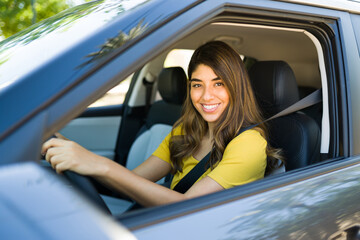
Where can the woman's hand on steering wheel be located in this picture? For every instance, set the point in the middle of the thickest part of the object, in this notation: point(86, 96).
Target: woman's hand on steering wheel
point(64, 154)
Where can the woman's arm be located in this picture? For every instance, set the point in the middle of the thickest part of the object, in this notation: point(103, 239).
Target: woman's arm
point(148, 193)
point(64, 154)
point(67, 155)
point(153, 169)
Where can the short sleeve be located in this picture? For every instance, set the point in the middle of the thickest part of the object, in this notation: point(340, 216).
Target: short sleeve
point(163, 151)
point(244, 160)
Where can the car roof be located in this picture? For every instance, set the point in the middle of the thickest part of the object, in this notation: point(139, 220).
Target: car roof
point(352, 6)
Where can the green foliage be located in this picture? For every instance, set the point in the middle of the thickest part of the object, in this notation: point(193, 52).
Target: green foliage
point(16, 15)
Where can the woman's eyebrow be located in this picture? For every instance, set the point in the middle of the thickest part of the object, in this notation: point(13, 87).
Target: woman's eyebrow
point(195, 80)
point(198, 80)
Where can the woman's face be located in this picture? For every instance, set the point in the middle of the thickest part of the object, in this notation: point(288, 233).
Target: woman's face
point(208, 93)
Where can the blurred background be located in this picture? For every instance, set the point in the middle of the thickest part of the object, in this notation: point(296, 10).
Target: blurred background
point(16, 15)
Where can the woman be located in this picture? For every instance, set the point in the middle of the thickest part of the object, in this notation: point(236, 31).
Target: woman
point(219, 104)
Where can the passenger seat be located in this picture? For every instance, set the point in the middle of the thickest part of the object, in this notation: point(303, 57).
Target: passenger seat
point(297, 134)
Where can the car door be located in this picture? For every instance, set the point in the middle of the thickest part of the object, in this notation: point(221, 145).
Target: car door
point(315, 202)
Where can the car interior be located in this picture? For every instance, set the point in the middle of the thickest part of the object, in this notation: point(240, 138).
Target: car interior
point(285, 64)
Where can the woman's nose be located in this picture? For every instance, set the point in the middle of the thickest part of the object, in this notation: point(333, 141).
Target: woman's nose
point(208, 93)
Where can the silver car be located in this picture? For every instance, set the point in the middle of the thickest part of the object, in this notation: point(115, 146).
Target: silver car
point(104, 75)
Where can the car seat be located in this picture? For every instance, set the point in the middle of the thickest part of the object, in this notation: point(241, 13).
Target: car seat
point(297, 134)
point(162, 115)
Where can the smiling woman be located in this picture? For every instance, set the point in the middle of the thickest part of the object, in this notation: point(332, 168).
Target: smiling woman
point(211, 124)
point(215, 115)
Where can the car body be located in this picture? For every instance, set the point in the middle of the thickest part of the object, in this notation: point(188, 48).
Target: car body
point(51, 73)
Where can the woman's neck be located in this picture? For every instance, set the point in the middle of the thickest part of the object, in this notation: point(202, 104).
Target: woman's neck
point(211, 130)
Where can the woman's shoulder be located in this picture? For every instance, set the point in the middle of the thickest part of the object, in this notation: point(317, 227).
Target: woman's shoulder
point(251, 136)
point(248, 145)
point(177, 130)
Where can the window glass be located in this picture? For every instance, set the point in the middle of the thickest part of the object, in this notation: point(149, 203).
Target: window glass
point(114, 96)
point(179, 57)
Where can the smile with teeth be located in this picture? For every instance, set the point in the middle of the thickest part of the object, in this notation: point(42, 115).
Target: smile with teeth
point(210, 108)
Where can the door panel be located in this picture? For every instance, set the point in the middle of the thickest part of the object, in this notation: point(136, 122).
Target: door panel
point(97, 134)
point(97, 128)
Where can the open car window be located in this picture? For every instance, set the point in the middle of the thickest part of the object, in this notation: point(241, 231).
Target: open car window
point(290, 50)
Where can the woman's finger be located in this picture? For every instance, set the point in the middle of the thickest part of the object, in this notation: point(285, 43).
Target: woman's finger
point(53, 160)
point(51, 152)
point(68, 155)
point(60, 136)
point(53, 142)
point(61, 167)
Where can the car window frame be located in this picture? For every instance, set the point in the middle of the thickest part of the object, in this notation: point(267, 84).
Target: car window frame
point(323, 33)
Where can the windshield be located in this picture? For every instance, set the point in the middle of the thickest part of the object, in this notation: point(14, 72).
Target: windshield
point(40, 43)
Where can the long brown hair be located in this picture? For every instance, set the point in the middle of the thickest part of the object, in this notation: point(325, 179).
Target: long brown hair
point(241, 112)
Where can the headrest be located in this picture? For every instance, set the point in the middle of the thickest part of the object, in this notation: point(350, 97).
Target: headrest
point(274, 85)
point(172, 85)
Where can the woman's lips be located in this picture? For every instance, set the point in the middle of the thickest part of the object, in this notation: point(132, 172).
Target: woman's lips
point(210, 107)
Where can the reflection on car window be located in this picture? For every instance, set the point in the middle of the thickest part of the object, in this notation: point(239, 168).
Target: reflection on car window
point(114, 96)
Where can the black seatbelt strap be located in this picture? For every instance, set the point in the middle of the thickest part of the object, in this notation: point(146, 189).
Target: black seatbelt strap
point(186, 182)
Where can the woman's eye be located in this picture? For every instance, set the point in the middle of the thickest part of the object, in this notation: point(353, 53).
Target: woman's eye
point(218, 84)
point(196, 85)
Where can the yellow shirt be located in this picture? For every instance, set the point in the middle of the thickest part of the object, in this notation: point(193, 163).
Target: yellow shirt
point(244, 160)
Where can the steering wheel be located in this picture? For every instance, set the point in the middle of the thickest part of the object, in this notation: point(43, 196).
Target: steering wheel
point(84, 185)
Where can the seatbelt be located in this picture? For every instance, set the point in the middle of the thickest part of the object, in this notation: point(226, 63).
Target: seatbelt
point(311, 99)
point(186, 182)
point(148, 82)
